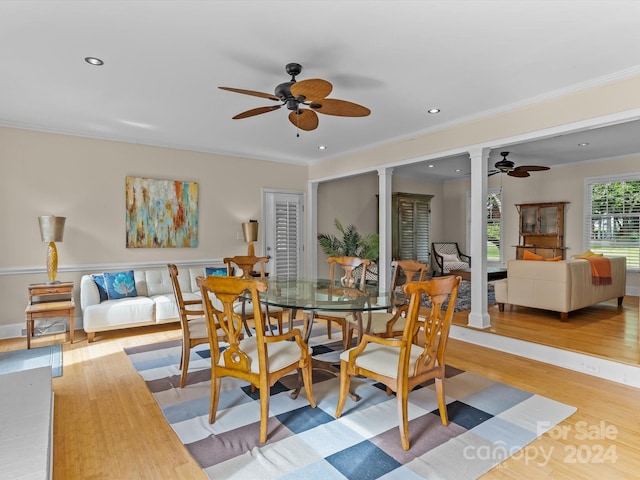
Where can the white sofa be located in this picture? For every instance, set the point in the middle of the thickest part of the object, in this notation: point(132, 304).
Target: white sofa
point(154, 304)
point(562, 286)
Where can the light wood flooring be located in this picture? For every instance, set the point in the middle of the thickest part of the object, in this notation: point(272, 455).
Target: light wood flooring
point(107, 425)
point(603, 330)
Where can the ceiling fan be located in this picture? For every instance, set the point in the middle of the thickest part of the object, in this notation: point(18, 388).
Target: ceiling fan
point(304, 99)
point(508, 167)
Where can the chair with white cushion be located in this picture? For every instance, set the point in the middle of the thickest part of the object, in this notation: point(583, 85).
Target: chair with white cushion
point(261, 359)
point(401, 364)
point(192, 321)
point(390, 323)
point(349, 265)
point(448, 256)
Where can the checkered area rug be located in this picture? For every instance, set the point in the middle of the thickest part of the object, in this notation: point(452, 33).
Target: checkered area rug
point(489, 422)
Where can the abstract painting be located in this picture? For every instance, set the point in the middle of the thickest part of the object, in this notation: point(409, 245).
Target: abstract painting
point(161, 213)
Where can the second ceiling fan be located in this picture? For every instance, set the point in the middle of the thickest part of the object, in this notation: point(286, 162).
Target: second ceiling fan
point(508, 167)
point(303, 99)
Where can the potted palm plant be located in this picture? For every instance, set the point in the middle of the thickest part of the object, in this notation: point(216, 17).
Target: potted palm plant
point(351, 244)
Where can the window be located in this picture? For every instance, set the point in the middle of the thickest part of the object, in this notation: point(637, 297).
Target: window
point(494, 226)
point(495, 252)
point(612, 217)
point(411, 217)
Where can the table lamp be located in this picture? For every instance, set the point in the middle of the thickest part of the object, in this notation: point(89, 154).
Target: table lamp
point(250, 232)
point(52, 230)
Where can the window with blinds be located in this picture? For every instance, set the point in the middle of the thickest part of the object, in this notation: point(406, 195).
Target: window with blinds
point(612, 217)
point(410, 223)
point(286, 256)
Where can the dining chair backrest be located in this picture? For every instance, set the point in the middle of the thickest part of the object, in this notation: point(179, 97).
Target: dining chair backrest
point(247, 264)
point(407, 271)
point(230, 290)
point(348, 264)
point(432, 330)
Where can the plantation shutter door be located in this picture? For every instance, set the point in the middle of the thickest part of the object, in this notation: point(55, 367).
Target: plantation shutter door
point(286, 251)
point(410, 222)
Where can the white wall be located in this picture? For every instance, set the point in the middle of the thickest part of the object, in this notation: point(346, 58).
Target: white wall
point(352, 200)
point(83, 179)
point(563, 183)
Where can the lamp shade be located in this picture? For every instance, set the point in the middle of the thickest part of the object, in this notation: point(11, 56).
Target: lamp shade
point(51, 228)
point(250, 231)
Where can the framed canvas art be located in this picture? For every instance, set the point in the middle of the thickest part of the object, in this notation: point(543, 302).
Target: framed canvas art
point(161, 213)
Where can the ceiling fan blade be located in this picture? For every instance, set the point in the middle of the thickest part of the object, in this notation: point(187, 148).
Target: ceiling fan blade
point(340, 108)
point(256, 111)
point(251, 92)
point(312, 89)
point(518, 173)
point(304, 119)
point(493, 172)
point(532, 168)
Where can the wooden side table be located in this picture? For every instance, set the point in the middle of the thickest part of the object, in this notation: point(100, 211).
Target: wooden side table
point(50, 300)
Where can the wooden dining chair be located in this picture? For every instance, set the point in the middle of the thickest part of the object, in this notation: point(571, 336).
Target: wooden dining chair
point(192, 323)
point(390, 323)
point(403, 363)
point(247, 265)
point(348, 265)
point(261, 359)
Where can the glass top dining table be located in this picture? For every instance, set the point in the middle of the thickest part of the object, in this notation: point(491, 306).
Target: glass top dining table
point(320, 294)
point(312, 295)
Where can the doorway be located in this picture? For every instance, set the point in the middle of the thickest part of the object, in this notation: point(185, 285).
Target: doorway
point(284, 233)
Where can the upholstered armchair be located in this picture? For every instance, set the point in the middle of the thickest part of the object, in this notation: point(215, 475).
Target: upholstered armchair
point(447, 256)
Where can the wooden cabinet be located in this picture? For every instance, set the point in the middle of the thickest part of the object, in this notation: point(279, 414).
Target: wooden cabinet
point(541, 229)
point(410, 222)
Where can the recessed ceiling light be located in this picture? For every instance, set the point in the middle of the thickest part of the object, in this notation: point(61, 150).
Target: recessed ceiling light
point(583, 144)
point(322, 147)
point(433, 110)
point(431, 166)
point(458, 170)
point(94, 61)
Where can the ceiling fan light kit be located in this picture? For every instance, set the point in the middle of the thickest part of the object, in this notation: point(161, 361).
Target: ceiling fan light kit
point(508, 167)
point(303, 99)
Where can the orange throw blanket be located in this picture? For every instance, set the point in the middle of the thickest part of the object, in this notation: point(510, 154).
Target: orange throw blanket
point(600, 270)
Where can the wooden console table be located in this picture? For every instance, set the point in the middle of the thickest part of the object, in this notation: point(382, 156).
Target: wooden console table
point(493, 273)
point(47, 301)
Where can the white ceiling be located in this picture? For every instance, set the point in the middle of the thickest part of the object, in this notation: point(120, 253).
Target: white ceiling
point(163, 62)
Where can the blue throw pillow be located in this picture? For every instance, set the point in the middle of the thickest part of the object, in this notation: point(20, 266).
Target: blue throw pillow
point(120, 285)
point(216, 271)
point(102, 287)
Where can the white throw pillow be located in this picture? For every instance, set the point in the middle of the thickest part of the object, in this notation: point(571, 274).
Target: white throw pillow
point(449, 258)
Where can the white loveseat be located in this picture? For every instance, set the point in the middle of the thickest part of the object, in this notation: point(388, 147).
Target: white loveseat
point(562, 286)
point(154, 304)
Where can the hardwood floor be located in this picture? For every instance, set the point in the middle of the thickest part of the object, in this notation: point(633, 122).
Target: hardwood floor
point(107, 425)
point(602, 330)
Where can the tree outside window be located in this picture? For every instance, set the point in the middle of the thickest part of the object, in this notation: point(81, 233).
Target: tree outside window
point(612, 220)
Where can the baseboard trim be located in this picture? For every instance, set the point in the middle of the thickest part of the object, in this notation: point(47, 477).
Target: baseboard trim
point(598, 367)
point(15, 330)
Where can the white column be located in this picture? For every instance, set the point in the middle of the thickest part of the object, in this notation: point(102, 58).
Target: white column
point(479, 317)
point(385, 190)
point(311, 251)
